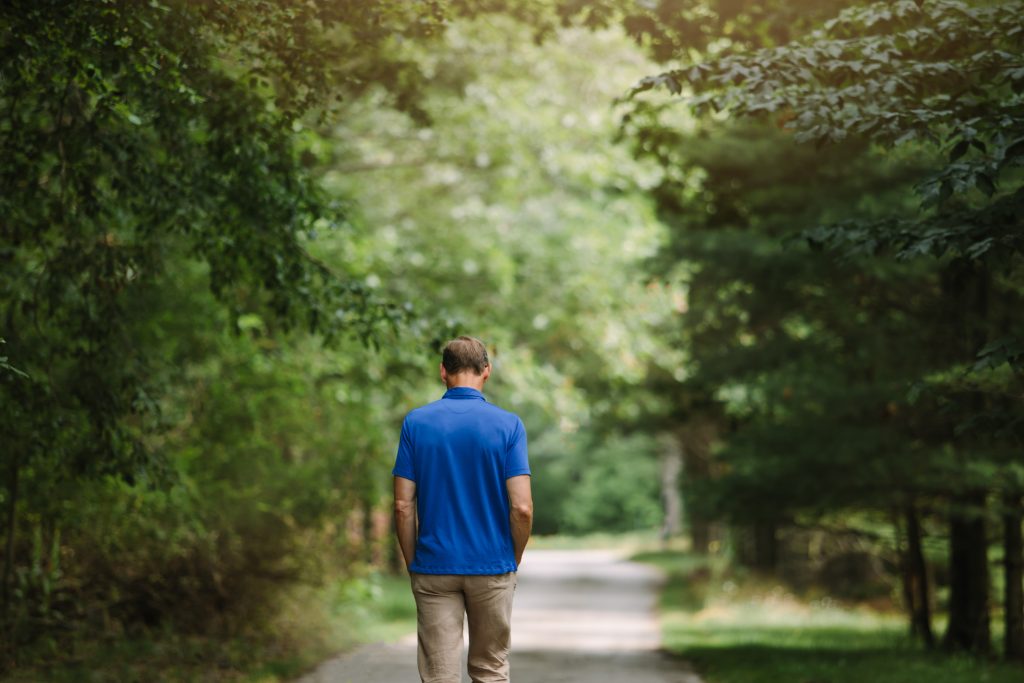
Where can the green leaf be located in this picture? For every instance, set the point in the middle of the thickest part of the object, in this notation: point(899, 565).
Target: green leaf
point(1012, 151)
point(959, 149)
point(945, 191)
point(985, 184)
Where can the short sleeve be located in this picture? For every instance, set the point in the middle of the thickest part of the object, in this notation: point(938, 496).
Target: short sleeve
point(516, 460)
point(403, 460)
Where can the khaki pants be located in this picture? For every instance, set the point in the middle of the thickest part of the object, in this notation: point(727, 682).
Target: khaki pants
point(441, 601)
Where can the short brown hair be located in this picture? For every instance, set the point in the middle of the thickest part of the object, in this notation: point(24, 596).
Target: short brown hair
point(464, 353)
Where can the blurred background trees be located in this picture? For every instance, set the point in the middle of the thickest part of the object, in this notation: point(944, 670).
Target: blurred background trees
point(776, 243)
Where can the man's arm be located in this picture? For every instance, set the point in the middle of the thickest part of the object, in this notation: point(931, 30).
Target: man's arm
point(405, 517)
point(521, 512)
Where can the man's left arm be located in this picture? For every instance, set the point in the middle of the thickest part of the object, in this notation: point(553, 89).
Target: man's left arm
point(405, 517)
point(521, 513)
point(517, 482)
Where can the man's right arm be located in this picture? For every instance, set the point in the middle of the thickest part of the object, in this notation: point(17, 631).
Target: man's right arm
point(521, 512)
point(405, 517)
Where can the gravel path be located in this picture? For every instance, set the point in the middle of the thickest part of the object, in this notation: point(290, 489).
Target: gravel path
point(580, 616)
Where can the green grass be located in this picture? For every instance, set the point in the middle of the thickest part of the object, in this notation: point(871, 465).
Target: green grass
point(312, 625)
point(379, 608)
point(737, 628)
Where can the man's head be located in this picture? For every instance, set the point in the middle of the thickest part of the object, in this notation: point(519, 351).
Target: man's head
point(464, 362)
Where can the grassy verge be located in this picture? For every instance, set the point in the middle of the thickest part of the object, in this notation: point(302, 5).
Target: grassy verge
point(312, 625)
point(736, 628)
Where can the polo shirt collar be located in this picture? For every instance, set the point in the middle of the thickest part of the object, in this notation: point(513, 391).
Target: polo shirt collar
point(463, 393)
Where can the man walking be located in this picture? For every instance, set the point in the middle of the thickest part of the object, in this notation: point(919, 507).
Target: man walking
point(463, 515)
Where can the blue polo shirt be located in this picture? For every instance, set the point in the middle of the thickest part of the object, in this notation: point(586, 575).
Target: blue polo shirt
point(460, 450)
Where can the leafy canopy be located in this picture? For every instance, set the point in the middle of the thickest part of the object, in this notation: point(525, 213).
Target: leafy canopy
point(949, 74)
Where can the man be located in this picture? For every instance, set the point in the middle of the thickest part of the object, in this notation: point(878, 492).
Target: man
point(462, 473)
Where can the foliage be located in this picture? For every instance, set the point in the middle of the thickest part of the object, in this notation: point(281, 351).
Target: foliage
point(611, 486)
point(132, 134)
point(794, 346)
point(946, 72)
point(355, 608)
point(157, 193)
point(669, 29)
point(510, 217)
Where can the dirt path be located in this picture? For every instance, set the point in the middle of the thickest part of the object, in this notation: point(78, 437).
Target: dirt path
point(580, 616)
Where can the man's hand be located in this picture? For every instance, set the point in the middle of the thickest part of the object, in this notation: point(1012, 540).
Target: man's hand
point(520, 513)
point(405, 517)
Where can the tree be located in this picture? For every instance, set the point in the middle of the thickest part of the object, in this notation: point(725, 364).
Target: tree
point(946, 74)
point(137, 138)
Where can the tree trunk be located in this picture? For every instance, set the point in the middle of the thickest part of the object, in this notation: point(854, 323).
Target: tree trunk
point(968, 627)
point(766, 553)
point(917, 575)
point(12, 508)
point(700, 536)
point(966, 286)
point(1013, 563)
point(906, 579)
point(672, 502)
point(368, 534)
point(696, 437)
point(395, 560)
